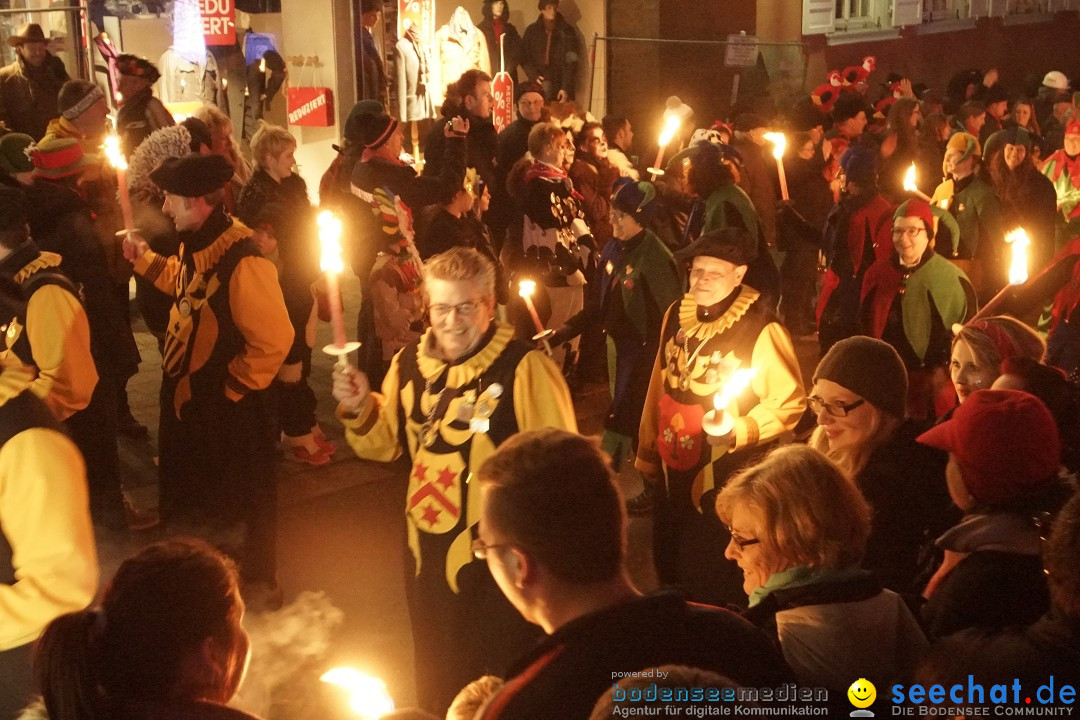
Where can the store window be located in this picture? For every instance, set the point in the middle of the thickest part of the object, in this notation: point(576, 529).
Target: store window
point(839, 17)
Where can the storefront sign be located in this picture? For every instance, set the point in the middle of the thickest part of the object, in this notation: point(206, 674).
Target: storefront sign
point(219, 21)
point(741, 51)
point(502, 87)
point(311, 106)
point(419, 14)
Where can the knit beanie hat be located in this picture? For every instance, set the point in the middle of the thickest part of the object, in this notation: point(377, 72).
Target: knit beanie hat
point(871, 369)
point(60, 158)
point(860, 164)
point(1005, 441)
point(375, 130)
point(805, 116)
point(917, 208)
point(14, 155)
point(76, 97)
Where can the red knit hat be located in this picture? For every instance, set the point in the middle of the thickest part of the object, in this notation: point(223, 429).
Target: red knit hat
point(1005, 441)
point(920, 209)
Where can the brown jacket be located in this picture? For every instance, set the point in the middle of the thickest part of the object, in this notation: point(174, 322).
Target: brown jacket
point(28, 95)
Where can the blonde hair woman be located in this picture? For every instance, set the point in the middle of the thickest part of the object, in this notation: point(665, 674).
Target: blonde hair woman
point(859, 397)
point(221, 130)
point(798, 531)
point(274, 204)
point(979, 348)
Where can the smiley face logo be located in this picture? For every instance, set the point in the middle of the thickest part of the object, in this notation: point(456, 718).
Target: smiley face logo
point(862, 693)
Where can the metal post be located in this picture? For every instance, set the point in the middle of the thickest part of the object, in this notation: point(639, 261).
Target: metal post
point(592, 70)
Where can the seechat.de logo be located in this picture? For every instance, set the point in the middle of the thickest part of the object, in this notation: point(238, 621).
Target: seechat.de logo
point(862, 694)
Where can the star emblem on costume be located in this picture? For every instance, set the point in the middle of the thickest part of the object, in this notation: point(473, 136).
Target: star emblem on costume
point(435, 491)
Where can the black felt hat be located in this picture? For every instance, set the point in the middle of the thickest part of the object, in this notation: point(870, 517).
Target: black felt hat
point(192, 175)
point(733, 244)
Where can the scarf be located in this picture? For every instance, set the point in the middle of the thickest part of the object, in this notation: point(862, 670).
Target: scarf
point(421, 54)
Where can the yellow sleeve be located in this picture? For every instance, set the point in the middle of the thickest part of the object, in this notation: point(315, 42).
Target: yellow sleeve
point(647, 461)
point(45, 517)
point(541, 397)
point(373, 434)
point(258, 310)
point(162, 271)
point(778, 386)
point(59, 336)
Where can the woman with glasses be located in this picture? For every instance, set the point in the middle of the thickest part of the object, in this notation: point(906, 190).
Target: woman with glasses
point(859, 399)
point(911, 298)
point(797, 530)
point(448, 400)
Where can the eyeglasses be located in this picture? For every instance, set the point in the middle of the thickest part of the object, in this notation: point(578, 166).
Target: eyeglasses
point(836, 409)
point(465, 309)
point(480, 548)
point(907, 232)
point(741, 543)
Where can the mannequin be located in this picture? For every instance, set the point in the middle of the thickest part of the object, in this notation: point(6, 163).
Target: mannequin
point(413, 66)
point(495, 25)
point(553, 64)
point(185, 81)
point(461, 46)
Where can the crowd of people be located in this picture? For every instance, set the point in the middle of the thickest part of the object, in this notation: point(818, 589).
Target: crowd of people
point(910, 514)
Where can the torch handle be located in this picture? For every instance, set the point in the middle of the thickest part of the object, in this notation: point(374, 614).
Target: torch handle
point(783, 179)
point(337, 322)
point(125, 200)
point(535, 317)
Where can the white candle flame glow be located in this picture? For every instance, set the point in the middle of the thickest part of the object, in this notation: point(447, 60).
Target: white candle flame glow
point(739, 381)
point(1018, 269)
point(779, 143)
point(671, 126)
point(526, 288)
point(330, 239)
point(909, 179)
point(113, 153)
point(368, 696)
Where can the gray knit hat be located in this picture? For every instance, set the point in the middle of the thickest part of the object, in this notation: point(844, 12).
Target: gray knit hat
point(871, 369)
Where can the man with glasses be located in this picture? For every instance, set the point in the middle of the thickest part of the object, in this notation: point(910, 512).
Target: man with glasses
point(720, 327)
point(911, 299)
point(448, 400)
point(553, 532)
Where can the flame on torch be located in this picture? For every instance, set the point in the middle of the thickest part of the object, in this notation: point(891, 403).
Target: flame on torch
point(909, 179)
point(113, 153)
point(1018, 269)
point(671, 126)
point(526, 288)
point(779, 144)
point(368, 696)
point(330, 238)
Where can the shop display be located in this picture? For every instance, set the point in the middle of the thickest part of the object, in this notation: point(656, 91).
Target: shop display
point(186, 81)
point(413, 69)
point(460, 46)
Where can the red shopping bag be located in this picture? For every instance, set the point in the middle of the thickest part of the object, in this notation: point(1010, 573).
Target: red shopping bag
point(311, 106)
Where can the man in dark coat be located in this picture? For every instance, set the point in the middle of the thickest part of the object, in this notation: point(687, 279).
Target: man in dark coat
point(550, 52)
point(469, 97)
point(513, 144)
point(30, 85)
point(553, 531)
